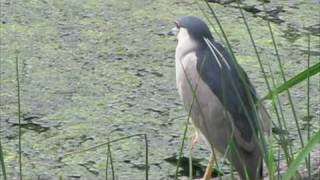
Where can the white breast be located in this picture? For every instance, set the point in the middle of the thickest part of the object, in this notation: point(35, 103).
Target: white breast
point(189, 81)
point(207, 112)
point(206, 109)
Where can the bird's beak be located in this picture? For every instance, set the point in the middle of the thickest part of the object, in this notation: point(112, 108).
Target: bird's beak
point(173, 32)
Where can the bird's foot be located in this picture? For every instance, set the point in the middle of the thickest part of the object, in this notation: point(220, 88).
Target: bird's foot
point(208, 173)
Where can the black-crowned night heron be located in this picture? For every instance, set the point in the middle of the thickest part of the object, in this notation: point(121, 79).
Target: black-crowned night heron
point(220, 98)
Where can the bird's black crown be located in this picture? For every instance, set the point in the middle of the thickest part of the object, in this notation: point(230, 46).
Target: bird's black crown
point(197, 28)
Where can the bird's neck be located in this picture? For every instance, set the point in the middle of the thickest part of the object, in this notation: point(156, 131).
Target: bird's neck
point(184, 47)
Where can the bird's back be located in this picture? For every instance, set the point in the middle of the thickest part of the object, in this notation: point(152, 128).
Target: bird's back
point(231, 85)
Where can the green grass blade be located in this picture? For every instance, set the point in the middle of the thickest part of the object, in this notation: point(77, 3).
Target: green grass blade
point(264, 143)
point(293, 81)
point(205, 14)
point(19, 115)
point(254, 46)
point(190, 163)
point(147, 156)
point(111, 162)
point(107, 164)
point(270, 164)
point(308, 108)
point(281, 122)
point(187, 124)
point(3, 168)
point(182, 145)
point(109, 155)
point(294, 113)
point(102, 144)
point(314, 140)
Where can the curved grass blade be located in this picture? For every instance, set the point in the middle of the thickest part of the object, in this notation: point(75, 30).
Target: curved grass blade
point(314, 140)
point(293, 81)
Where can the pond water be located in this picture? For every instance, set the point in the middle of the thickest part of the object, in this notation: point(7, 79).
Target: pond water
point(96, 70)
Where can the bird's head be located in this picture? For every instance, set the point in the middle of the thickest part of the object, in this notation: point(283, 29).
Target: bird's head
point(190, 29)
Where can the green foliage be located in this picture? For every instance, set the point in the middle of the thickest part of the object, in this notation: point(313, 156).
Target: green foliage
point(314, 140)
point(307, 73)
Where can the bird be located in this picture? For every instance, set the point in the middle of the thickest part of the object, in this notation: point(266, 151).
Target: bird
point(223, 104)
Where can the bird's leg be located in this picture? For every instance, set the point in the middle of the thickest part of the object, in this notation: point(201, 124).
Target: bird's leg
point(194, 140)
point(207, 174)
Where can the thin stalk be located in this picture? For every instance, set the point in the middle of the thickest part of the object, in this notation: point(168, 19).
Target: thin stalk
point(284, 80)
point(241, 76)
point(278, 164)
point(308, 109)
point(2, 163)
point(281, 135)
point(200, 107)
point(109, 155)
point(147, 156)
point(311, 145)
point(194, 99)
point(19, 116)
point(262, 146)
point(221, 29)
point(187, 122)
point(107, 164)
point(111, 162)
point(232, 172)
point(190, 163)
point(3, 168)
point(271, 165)
point(290, 152)
point(254, 47)
point(288, 92)
point(182, 144)
point(211, 24)
point(311, 71)
point(204, 117)
point(102, 144)
point(262, 70)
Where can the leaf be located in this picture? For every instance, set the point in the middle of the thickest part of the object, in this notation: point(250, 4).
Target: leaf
point(314, 140)
point(293, 81)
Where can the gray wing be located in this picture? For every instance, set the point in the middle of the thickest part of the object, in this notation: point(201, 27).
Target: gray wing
point(237, 94)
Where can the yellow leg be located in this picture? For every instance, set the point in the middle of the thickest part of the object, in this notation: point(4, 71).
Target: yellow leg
point(207, 174)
